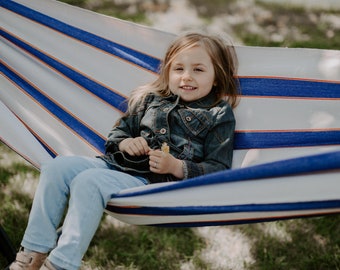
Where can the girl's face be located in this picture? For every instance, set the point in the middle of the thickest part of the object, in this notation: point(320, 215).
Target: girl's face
point(191, 74)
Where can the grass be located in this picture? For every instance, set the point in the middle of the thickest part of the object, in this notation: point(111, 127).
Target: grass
point(120, 10)
point(278, 25)
point(307, 28)
point(143, 247)
point(312, 243)
point(15, 204)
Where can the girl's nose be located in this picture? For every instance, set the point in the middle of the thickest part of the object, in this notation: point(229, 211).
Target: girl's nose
point(187, 76)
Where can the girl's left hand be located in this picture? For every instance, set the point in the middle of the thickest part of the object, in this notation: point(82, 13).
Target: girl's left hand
point(165, 163)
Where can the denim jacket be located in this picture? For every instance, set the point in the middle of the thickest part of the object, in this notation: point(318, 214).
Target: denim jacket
point(199, 133)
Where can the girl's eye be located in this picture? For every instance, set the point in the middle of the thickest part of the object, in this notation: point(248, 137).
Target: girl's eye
point(198, 69)
point(178, 68)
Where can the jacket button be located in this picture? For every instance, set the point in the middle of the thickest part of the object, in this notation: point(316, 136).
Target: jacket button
point(162, 131)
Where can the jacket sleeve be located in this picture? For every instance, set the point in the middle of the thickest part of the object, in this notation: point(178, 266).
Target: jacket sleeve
point(218, 147)
point(127, 126)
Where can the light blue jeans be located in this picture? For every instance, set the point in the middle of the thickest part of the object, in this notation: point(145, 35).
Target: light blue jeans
point(87, 184)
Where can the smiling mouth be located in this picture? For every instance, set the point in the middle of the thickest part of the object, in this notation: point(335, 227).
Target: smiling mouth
point(187, 87)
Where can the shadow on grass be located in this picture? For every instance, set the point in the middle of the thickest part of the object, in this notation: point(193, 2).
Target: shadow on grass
point(144, 247)
point(314, 243)
point(13, 211)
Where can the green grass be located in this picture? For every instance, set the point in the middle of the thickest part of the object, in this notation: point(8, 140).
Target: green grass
point(15, 204)
point(313, 244)
point(143, 247)
point(307, 28)
point(119, 10)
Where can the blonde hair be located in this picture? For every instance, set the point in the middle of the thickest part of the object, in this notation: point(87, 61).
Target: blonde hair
point(224, 60)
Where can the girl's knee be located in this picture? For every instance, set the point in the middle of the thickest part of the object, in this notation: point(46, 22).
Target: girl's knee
point(59, 171)
point(54, 164)
point(87, 177)
point(104, 181)
point(63, 164)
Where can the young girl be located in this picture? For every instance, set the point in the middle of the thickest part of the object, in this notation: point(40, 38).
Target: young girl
point(187, 110)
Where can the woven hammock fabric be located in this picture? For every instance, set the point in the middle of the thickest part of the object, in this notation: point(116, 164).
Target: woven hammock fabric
point(65, 76)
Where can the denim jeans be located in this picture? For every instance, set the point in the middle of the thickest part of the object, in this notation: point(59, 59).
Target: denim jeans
point(87, 184)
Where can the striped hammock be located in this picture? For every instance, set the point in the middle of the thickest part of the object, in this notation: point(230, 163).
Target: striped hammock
point(66, 72)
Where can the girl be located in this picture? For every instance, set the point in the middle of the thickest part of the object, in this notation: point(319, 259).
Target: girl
point(184, 109)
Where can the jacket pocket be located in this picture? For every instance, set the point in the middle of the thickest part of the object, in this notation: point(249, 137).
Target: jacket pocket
point(197, 122)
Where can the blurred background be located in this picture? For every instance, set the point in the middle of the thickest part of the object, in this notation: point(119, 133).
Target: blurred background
point(312, 243)
point(284, 23)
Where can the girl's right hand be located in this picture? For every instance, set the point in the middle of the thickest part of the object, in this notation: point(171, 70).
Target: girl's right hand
point(134, 146)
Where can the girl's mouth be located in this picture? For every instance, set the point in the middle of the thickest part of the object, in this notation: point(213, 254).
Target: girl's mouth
point(188, 87)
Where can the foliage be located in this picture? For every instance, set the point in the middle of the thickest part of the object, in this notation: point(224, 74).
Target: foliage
point(289, 26)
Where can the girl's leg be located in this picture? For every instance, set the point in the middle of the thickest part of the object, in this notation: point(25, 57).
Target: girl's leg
point(50, 200)
point(89, 193)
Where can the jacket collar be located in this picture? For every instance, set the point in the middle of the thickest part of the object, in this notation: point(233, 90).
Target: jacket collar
point(205, 102)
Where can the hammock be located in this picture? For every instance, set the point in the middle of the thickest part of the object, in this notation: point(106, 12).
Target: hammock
point(66, 72)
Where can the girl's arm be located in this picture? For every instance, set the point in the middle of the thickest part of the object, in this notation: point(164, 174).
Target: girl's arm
point(127, 127)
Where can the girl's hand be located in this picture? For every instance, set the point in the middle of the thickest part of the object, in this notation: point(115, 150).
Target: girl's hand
point(164, 163)
point(134, 146)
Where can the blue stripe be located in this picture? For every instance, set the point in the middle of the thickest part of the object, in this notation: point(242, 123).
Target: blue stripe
point(128, 54)
point(250, 86)
point(86, 133)
point(46, 146)
point(295, 166)
point(273, 87)
point(102, 92)
point(243, 140)
point(223, 209)
point(250, 140)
